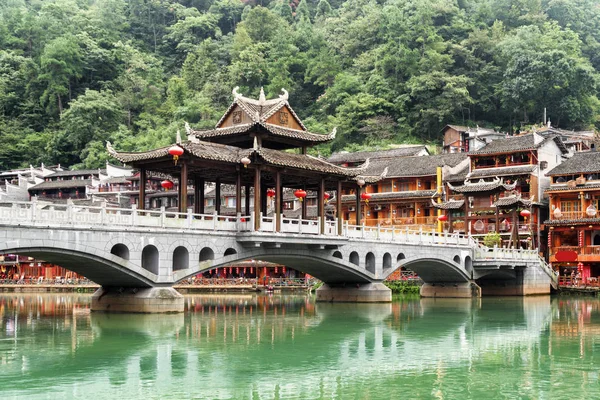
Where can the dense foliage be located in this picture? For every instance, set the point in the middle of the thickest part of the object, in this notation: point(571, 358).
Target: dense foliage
point(75, 73)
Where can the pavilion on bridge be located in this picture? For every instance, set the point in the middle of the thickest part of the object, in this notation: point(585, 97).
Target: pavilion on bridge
point(250, 148)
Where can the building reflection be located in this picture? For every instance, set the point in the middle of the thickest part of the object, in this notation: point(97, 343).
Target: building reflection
point(248, 346)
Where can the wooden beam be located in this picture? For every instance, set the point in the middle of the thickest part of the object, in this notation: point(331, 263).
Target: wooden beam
point(218, 196)
point(142, 197)
point(257, 199)
point(338, 207)
point(358, 210)
point(278, 191)
point(321, 204)
point(247, 199)
point(183, 179)
point(198, 196)
point(238, 192)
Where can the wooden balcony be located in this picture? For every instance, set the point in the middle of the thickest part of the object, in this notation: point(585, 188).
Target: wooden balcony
point(585, 253)
point(569, 215)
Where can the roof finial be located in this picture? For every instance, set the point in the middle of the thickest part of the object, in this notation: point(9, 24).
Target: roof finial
point(178, 137)
point(188, 129)
point(235, 92)
point(261, 97)
point(255, 146)
point(285, 95)
point(110, 149)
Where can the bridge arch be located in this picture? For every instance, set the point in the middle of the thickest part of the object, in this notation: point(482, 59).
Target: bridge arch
point(337, 254)
point(370, 262)
point(120, 250)
point(387, 261)
point(150, 259)
point(354, 258)
point(207, 254)
point(456, 259)
point(229, 252)
point(469, 265)
point(400, 257)
point(181, 258)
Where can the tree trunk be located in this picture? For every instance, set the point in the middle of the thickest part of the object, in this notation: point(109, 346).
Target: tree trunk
point(60, 107)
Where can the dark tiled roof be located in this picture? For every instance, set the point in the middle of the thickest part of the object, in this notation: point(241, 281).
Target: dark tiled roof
point(413, 166)
point(518, 143)
point(588, 162)
point(579, 221)
point(301, 161)
point(71, 183)
point(81, 172)
point(361, 156)
point(578, 188)
point(502, 171)
point(457, 128)
point(117, 179)
point(275, 130)
point(482, 186)
point(394, 195)
point(449, 205)
point(512, 200)
point(231, 154)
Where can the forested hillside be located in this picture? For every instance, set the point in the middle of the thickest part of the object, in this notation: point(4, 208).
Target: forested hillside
point(75, 73)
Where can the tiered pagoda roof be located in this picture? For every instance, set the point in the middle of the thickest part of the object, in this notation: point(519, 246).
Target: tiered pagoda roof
point(273, 121)
point(511, 144)
point(483, 186)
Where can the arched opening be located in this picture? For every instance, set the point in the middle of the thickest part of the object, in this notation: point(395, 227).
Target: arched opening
point(337, 254)
point(181, 258)
point(597, 239)
point(400, 257)
point(370, 262)
point(207, 254)
point(469, 264)
point(354, 259)
point(387, 261)
point(457, 259)
point(120, 250)
point(150, 259)
point(230, 252)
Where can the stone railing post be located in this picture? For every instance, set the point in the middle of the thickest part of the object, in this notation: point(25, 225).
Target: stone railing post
point(378, 236)
point(189, 218)
point(33, 208)
point(102, 213)
point(70, 213)
point(133, 215)
point(162, 216)
point(420, 235)
point(215, 219)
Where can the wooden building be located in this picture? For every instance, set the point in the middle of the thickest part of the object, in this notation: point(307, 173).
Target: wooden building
point(505, 177)
point(401, 190)
point(248, 148)
point(573, 225)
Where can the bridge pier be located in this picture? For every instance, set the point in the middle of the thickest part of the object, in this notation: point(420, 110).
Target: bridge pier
point(450, 289)
point(355, 293)
point(137, 300)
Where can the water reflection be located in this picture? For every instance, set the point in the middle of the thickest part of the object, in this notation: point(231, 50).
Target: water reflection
point(263, 347)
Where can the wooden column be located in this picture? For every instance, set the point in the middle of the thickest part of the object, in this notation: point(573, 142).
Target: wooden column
point(218, 196)
point(582, 199)
point(278, 196)
point(321, 204)
point(358, 210)
point(303, 204)
point(263, 199)
point(238, 192)
point(338, 208)
point(514, 233)
point(257, 198)
point(183, 178)
point(497, 220)
point(198, 196)
point(450, 227)
point(247, 199)
point(142, 199)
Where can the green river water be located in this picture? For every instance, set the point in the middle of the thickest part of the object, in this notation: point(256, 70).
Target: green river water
point(242, 346)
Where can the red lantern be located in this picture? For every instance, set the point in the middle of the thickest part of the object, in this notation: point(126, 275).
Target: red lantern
point(525, 213)
point(326, 196)
point(175, 151)
point(443, 218)
point(167, 184)
point(270, 193)
point(300, 194)
point(365, 196)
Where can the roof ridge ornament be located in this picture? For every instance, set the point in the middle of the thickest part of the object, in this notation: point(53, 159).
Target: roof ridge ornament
point(284, 96)
point(110, 149)
point(261, 97)
point(188, 128)
point(178, 137)
point(255, 146)
point(333, 133)
point(235, 93)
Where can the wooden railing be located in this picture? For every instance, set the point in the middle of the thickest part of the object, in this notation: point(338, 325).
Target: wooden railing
point(568, 215)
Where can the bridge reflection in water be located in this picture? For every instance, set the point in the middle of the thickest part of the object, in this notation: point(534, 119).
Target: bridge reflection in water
point(265, 347)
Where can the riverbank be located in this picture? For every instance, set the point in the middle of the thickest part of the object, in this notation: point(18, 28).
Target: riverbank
point(183, 289)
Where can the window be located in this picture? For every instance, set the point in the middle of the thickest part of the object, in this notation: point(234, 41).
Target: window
point(543, 165)
point(570, 206)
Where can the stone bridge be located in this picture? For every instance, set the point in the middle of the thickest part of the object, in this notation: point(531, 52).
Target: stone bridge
point(147, 252)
